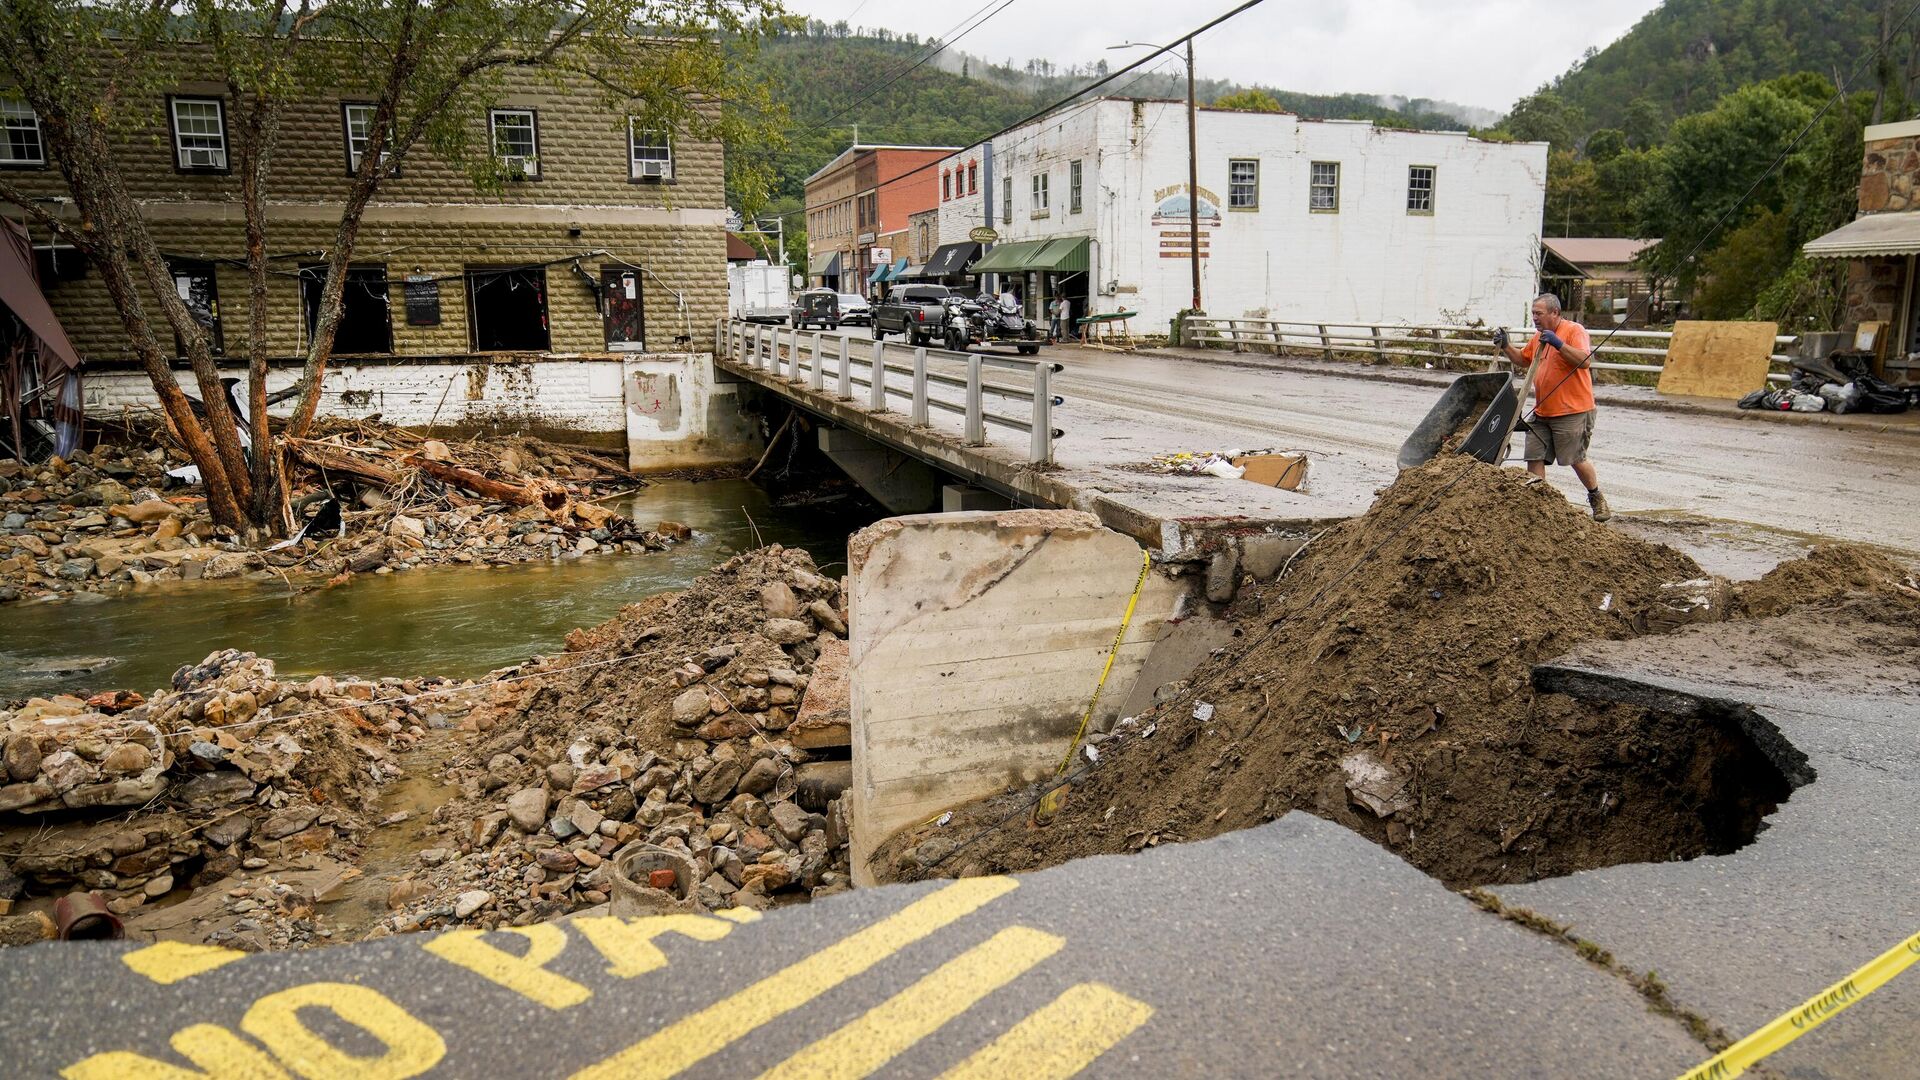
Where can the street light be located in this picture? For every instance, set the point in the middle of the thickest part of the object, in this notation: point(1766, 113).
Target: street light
point(1193, 163)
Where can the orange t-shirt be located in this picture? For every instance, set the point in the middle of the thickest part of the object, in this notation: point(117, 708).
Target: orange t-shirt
point(1560, 389)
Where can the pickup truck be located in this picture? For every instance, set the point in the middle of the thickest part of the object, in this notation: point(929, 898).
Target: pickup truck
point(916, 311)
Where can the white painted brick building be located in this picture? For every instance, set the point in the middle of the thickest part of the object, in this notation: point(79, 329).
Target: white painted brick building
point(1319, 221)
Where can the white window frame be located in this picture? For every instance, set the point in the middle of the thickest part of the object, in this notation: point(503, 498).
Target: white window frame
point(209, 152)
point(1316, 188)
point(1433, 183)
point(518, 166)
point(1006, 209)
point(18, 116)
point(1076, 175)
point(653, 168)
point(356, 152)
point(1243, 194)
point(1041, 202)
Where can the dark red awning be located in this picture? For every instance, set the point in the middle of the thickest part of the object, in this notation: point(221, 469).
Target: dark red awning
point(20, 292)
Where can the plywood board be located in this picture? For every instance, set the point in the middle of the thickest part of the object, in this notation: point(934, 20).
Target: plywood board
point(1726, 360)
point(1284, 471)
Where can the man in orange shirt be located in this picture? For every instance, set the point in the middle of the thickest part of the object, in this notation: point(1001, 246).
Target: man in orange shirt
point(1562, 424)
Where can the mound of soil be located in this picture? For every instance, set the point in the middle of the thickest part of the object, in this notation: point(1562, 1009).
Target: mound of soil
point(1829, 572)
point(1384, 683)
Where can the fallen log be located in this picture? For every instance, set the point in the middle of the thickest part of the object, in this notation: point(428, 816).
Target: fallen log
point(480, 484)
point(329, 458)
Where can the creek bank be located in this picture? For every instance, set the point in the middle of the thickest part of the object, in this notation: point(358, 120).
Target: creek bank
point(367, 497)
point(227, 779)
point(1383, 683)
point(669, 726)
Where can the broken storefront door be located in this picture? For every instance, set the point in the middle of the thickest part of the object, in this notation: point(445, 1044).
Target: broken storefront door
point(622, 306)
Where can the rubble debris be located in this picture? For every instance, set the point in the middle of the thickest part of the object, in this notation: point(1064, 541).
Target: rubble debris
point(1383, 682)
point(106, 520)
point(229, 766)
point(663, 730)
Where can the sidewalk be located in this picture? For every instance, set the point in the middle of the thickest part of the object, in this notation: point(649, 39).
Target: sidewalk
point(1612, 395)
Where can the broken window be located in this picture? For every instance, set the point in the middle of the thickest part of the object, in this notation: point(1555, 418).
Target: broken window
point(22, 144)
point(366, 321)
point(516, 142)
point(199, 134)
point(1324, 195)
point(507, 308)
point(1420, 189)
point(193, 282)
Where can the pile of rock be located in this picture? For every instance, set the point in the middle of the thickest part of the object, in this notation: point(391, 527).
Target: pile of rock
point(669, 734)
point(233, 768)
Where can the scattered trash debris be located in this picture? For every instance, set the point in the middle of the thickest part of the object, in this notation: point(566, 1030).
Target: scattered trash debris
point(1202, 711)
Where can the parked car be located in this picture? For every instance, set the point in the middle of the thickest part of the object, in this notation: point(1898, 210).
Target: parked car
point(815, 307)
point(984, 320)
point(854, 310)
point(917, 311)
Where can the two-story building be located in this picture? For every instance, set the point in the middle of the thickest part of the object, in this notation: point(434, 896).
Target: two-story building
point(606, 237)
point(1881, 246)
point(1317, 221)
point(858, 209)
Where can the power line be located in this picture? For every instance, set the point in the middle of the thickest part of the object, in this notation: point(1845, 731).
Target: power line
point(862, 94)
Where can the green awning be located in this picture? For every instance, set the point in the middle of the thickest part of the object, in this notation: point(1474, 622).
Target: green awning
point(1008, 258)
point(1061, 254)
point(825, 264)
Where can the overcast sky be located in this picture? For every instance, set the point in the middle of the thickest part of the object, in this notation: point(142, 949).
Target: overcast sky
point(1486, 53)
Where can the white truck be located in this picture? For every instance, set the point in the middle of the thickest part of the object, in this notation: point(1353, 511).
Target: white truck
point(757, 291)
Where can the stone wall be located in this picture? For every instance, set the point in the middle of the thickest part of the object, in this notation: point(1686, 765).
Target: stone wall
point(1888, 173)
point(1874, 288)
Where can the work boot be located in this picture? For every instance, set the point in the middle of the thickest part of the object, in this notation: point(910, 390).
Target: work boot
point(1601, 511)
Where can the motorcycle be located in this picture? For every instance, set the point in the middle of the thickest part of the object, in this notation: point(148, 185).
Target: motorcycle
point(984, 320)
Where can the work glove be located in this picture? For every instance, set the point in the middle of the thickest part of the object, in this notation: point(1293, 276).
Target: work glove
point(1552, 340)
point(1500, 338)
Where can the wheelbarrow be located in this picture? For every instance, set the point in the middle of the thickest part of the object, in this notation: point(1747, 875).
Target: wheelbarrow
point(1496, 396)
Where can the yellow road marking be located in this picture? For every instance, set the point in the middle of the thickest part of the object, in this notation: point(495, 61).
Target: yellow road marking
point(629, 944)
point(706, 1032)
point(524, 975)
point(739, 914)
point(1059, 1040)
point(888, 1029)
point(217, 1053)
point(170, 961)
point(411, 1047)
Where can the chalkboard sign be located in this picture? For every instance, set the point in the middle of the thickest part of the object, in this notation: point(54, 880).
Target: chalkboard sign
point(423, 300)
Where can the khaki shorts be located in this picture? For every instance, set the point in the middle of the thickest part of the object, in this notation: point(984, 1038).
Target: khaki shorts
point(1566, 438)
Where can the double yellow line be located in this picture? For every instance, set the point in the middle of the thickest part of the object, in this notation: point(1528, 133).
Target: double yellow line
point(1058, 1040)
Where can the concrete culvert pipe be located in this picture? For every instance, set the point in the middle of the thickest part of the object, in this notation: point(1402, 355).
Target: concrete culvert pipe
point(640, 885)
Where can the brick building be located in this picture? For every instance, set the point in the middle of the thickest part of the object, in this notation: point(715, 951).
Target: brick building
point(858, 208)
point(1881, 246)
point(609, 239)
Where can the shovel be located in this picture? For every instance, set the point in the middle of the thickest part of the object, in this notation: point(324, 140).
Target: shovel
point(1495, 395)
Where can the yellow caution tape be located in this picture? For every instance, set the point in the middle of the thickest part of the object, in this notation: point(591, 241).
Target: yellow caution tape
point(1816, 1010)
point(1146, 559)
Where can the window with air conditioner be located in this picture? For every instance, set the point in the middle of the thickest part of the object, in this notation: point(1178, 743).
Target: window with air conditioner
point(651, 152)
point(199, 134)
point(516, 142)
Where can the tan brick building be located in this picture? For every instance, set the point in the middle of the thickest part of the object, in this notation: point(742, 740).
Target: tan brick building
point(611, 240)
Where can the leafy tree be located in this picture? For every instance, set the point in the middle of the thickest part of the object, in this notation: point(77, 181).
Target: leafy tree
point(1605, 145)
point(1544, 117)
point(94, 70)
point(1251, 100)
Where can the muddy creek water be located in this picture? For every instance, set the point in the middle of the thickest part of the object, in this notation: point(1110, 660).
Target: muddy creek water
point(458, 622)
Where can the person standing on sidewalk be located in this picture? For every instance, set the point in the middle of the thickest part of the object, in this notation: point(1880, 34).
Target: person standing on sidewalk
point(1562, 426)
point(1059, 309)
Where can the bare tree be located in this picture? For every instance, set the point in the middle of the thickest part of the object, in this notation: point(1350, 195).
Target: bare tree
point(95, 72)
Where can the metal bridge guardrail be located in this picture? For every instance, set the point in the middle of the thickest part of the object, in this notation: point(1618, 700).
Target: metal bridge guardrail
point(1446, 343)
point(832, 363)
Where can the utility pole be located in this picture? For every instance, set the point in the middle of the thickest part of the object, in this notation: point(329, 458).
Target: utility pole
point(1193, 179)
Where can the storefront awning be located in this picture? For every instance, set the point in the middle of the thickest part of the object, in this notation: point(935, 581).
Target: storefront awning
point(911, 273)
point(20, 293)
point(951, 259)
point(1876, 234)
point(1061, 254)
point(826, 265)
point(880, 274)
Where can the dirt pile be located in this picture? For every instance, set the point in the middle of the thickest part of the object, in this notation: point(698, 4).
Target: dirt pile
point(1829, 572)
point(1383, 682)
point(665, 725)
point(227, 769)
point(372, 498)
